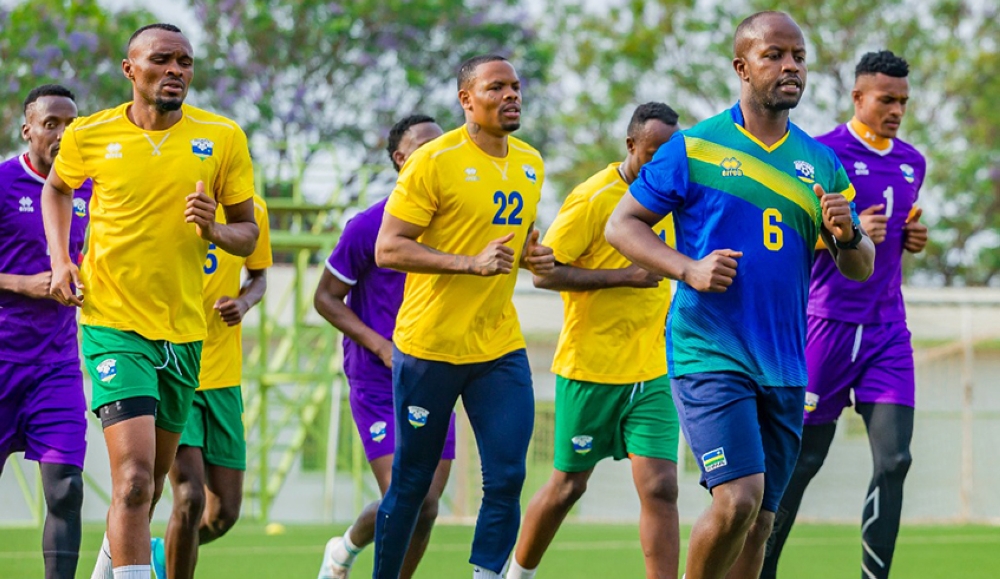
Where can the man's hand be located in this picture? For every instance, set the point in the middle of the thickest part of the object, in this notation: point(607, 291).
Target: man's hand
point(874, 224)
point(201, 211)
point(537, 258)
point(714, 272)
point(384, 351)
point(231, 310)
point(496, 259)
point(64, 277)
point(915, 233)
point(640, 278)
point(836, 214)
point(36, 286)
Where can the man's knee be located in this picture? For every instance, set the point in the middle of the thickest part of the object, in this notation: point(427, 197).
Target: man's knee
point(660, 486)
point(224, 519)
point(428, 511)
point(896, 464)
point(569, 489)
point(64, 495)
point(507, 483)
point(809, 462)
point(738, 502)
point(136, 488)
point(189, 499)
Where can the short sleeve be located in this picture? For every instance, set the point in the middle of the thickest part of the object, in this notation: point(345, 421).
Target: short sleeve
point(354, 253)
point(572, 232)
point(69, 165)
point(842, 184)
point(415, 197)
point(236, 184)
point(261, 257)
point(662, 184)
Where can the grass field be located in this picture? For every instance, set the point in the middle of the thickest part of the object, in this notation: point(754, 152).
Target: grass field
point(580, 551)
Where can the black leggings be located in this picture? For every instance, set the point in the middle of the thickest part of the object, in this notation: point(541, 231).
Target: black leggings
point(63, 488)
point(890, 428)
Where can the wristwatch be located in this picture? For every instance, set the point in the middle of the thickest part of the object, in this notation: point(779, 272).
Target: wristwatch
point(854, 242)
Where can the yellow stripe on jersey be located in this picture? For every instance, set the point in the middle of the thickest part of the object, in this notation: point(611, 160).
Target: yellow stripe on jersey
point(142, 270)
point(465, 198)
point(614, 335)
point(222, 352)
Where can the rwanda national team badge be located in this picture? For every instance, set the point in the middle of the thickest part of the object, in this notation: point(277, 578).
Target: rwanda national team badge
point(417, 416)
point(805, 172)
point(377, 431)
point(107, 370)
point(202, 148)
point(908, 173)
point(812, 399)
point(714, 459)
point(79, 207)
point(582, 444)
point(529, 172)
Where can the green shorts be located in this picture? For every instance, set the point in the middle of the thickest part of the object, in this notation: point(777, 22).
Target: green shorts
point(595, 421)
point(216, 427)
point(125, 365)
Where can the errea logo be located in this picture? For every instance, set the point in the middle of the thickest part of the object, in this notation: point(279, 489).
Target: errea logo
point(860, 168)
point(26, 206)
point(114, 151)
point(470, 174)
point(731, 167)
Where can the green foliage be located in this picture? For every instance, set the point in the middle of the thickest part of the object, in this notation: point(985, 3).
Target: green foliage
point(78, 44)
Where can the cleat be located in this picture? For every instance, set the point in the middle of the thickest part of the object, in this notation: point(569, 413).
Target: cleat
point(332, 568)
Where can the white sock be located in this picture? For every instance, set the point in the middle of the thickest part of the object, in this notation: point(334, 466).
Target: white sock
point(480, 573)
point(346, 551)
point(133, 572)
point(516, 571)
point(102, 570)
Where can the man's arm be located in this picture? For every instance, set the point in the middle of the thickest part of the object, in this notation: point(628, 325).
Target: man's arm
point(238, 235)
point(397, 248)
point(57, 216)
point(855, 263)
point(34, 286)
point(233, 310)
point(329, 302)
point(568, 278)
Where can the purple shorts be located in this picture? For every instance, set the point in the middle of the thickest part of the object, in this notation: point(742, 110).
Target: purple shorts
point(876, 361)
point(43, 412)
point(371, 405)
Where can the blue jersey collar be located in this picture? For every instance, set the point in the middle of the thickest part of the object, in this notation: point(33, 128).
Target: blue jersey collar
point(737, 114)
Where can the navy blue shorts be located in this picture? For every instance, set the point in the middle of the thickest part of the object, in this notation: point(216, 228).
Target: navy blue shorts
point(737, 428)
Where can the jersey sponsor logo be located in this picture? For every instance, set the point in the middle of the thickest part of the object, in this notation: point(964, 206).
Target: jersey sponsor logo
point(714, 459)
point(582, 444)
point(79, 207)
point(202, 148)
point(470, 174)
point(417, 416)
point(26, 205)
point(731, 167)
point(114, 151)
point(812, 399)
point(805, 172)
point(908, 173)
point(860, 168)
point(377, 430)
point(529, 172)
point(107, 370)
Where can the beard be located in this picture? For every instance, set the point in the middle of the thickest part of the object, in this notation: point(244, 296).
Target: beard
point(510, 126)
point(165, 105)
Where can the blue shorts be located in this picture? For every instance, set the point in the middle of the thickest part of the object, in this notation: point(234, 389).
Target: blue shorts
point(737, 428)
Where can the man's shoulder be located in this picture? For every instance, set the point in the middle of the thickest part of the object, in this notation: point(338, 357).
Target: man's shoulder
point(98, 119)
point(711, 128)
point(815, 147)
point(523, 148)
point(605, 186)
point(202, 117)
point(909, 153)
point(11, 168)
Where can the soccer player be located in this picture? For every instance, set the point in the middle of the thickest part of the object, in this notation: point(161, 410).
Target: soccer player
point(612, 393)
point(159, 168)
point(367, 320)
point(42, 408)
point(460, 222)
point(748, 191)
point(207, 475)
point(858, 339)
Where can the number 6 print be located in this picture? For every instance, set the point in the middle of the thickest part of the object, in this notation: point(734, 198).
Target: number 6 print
point(515, 200)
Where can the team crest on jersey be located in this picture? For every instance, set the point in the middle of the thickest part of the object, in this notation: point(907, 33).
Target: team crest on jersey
point(470, 174)
point(812, 399)
point(731, 167)
point(107, 370)
point(860, 168)
point(377, 430)
point(805, 172)
point(714, 459)
point(529, 172)
point(79, 207)
point(202, 148)
point(417, 416)
point(114, 151)
point(25, 205)
point(582, 444)
point(908, 173)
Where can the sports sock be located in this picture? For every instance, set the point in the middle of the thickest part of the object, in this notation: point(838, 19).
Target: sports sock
point(346, 551)
point(102, 569)
point(63, 486)
point(480, 573)
point(516, 571)
point(132, 572)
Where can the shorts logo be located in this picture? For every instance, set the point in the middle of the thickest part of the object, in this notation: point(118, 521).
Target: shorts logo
point(805, 172)
point(714, 459)
point(582, 444)
point(417, 416)
point(79, 207)
point(908, 173)
point(107, 370)
point(529, 172)
point(731, 167)
point(377, 431)
point(202, 148)
point(812, 399)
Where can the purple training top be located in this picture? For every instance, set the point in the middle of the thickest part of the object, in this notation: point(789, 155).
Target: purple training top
point(891, 178)
point(375, 296)
point(33, 331)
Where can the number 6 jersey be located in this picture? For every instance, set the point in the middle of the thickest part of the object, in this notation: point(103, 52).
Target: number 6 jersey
point(466, 199)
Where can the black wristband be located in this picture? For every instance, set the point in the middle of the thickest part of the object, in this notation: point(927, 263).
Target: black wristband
point(853, 243)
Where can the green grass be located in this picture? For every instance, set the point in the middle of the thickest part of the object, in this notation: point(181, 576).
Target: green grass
point(580, 551)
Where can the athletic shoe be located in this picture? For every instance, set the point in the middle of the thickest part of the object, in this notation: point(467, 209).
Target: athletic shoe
point(332, 568)
point(158, 558)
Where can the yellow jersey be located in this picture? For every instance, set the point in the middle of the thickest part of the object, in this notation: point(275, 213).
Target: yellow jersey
point(143, 266)
point(465, 198)
point(222, 352)
point(613, 335)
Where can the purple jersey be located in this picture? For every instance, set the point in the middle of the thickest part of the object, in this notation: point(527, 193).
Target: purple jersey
point(892, 178)
point(375, 296)
point(41, 331)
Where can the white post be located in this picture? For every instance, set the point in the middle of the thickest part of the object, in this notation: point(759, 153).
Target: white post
point(332, 439)
point(968, 361)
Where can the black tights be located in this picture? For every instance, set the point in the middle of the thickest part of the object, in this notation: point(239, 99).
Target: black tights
point(63, 488)
point(890, 428)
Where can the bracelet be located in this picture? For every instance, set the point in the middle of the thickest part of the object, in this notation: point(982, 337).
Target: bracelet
point(853, 243)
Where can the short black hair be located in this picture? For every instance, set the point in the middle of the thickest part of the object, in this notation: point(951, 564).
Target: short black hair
point(648, 112)
point(154, 26)
point(399, 129)
point(882, 62)
point(467, 70)
point(47, 90)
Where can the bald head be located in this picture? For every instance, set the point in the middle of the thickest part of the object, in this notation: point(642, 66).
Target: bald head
point(756, 28)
